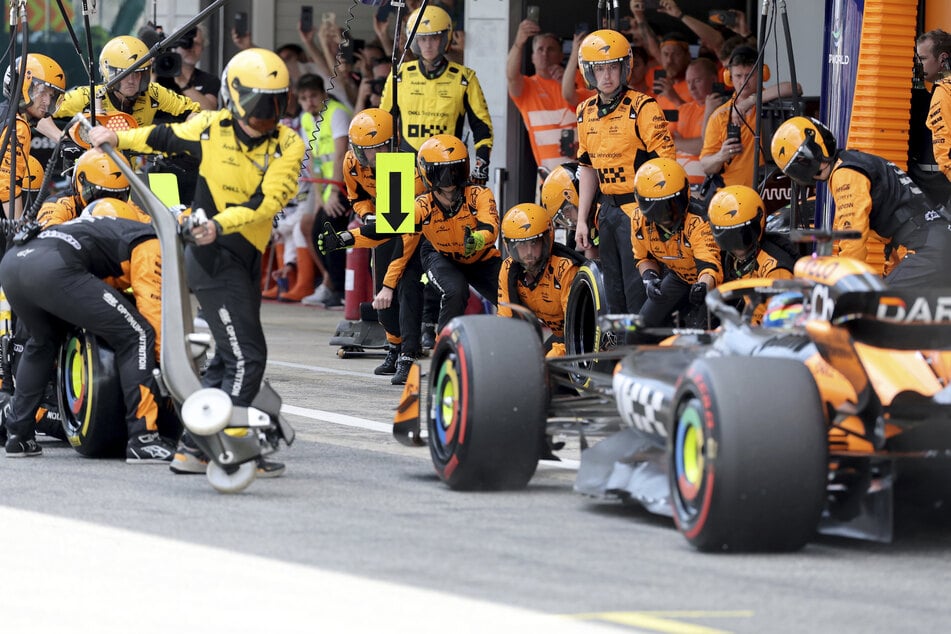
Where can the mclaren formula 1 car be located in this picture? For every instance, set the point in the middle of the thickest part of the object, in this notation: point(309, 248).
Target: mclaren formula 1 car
point(750, 437)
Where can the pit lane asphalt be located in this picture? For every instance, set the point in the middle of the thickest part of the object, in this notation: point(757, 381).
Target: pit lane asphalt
point(361, 536)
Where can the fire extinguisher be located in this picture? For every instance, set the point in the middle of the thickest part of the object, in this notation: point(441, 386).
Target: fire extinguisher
point(358, 281)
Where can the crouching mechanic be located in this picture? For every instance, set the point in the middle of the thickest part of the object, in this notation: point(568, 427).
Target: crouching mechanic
point(669, 230)
point(398, 305)
point(538, 272)
point(894, 209)
point(457, 224)
point(559, 195)
point(249, 164)
point(737, 217)
point(95, 176)
point(59, 278)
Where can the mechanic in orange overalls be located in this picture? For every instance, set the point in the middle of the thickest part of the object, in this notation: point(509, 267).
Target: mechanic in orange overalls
point(737, 217)
point(371, 132)
point(618, 129)
point(538, 271)
point(457, 224)
point(894, 209)
point(95, 176)
point(42, 89)
point(670, 231)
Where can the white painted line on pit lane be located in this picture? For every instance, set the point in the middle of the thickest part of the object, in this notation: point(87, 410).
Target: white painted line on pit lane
point(316, 368)
point(129, 581)
point(387, 428)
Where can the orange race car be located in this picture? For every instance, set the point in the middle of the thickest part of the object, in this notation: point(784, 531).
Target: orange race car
point(750, 437)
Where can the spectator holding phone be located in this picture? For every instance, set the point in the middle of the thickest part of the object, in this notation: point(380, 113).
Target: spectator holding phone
point(728, 142)
point(538, 97)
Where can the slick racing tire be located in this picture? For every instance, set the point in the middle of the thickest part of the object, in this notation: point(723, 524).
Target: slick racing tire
point(748, 455)
point(487, 403)
point(586, 303)
point(90, 397)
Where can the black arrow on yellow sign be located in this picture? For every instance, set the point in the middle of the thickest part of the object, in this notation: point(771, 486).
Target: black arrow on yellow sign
point(395, 192)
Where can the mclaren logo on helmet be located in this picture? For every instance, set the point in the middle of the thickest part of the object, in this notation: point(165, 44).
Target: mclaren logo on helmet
point(605, 48)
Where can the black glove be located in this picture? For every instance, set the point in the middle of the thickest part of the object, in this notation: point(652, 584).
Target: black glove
point(330, 240)
point(652, 284)
point(480, 172)
point(698, 293)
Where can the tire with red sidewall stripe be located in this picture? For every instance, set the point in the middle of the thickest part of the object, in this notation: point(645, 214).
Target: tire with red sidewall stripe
point(748, 455)
point(486, 409)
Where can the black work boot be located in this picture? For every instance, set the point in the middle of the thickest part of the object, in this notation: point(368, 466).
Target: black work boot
point(389, 363)
point(403, 366)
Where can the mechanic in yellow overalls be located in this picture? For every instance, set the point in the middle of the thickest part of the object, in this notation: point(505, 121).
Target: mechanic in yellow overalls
point(249, 165)
point(437, 96)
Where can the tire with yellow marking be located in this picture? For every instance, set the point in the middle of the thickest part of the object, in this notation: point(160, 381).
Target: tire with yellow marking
point(90, 397)
point(748, 455)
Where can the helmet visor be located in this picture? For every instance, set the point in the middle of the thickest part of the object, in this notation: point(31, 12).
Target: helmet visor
point(262, 108)
point(530, 253)
point(667, 211)
point(360, 153)
point(738, 238)
point(441, 175)
point(38, 87)
point(803, 166)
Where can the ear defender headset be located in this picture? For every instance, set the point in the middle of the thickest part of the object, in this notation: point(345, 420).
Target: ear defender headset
point(747, 56)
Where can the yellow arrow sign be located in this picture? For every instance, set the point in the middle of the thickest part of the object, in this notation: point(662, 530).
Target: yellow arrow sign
point(395, 192)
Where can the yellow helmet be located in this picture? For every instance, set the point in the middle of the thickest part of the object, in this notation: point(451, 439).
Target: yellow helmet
point(40, 71)
point(559, 191)
point(737, 218)
point(33, 179)
point(115, 208)
point(254, 88)
point(800, 146)
point(120, 53)
point(662, 192)
point(370, 129)
point(523, 226)
point(443, 161)
point(96, 175)
point(435, 21)
point(604, 47)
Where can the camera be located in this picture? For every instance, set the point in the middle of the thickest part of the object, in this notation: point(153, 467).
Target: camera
point(167, 64)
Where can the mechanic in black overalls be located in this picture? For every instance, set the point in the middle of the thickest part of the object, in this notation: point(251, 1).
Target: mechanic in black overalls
point(58, 278)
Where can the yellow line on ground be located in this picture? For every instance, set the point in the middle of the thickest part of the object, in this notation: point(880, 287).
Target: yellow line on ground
point(660, 621)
